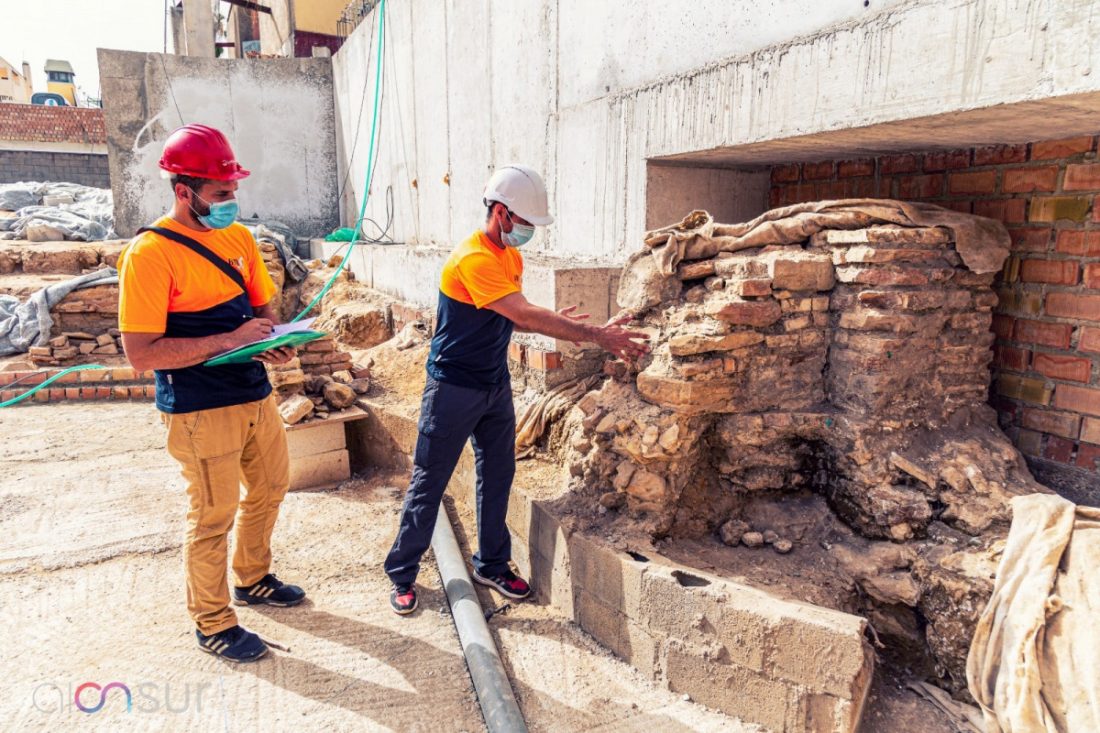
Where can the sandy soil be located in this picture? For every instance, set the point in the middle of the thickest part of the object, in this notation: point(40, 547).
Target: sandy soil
point(92, 508)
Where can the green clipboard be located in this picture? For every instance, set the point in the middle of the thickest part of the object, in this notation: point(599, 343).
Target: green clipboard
point(244, 354)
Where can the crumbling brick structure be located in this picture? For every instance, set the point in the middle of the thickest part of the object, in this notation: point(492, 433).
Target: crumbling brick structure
point(1046, 386)
point(851, 365)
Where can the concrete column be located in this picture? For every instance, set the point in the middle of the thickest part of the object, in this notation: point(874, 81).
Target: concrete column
point(198, 28)
point(179, 44)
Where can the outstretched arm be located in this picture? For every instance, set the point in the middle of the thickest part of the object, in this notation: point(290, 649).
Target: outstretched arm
point(535, 319)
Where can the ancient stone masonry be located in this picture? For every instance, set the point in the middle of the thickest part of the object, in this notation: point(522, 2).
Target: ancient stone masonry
point(73, 347)
point(321, 378)
point(846, 363)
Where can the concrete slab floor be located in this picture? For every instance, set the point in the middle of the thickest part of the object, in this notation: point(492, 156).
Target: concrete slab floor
point(92, 510)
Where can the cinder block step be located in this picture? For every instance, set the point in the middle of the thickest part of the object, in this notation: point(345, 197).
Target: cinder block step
point(70, 258)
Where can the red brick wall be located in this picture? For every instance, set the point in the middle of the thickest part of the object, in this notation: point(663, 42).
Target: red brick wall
point(1047, 354)
point(39, 123)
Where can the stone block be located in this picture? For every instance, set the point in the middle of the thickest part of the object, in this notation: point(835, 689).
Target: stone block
point(295, 409)
point(887, 235)
point(759, 314)
point(753, 288)
point(315, 438)
point(805, 273)
point(690, 344)
point(319, 470)
point(690, 396)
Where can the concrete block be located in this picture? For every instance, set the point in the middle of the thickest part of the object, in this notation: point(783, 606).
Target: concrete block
point(730, 688)
point(614, 578)
point(823, 650)
point(604, 623)
point(815, 713)
point(319, 469)
point(718, 613)
point(317, 437)
point(551, 569)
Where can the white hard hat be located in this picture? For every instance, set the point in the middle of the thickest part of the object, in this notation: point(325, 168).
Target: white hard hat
point(520, 189)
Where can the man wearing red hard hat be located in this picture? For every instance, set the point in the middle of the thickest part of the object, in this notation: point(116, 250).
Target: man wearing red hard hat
point(192, 286)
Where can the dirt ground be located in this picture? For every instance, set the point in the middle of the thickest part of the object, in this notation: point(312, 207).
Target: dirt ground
point(92, 508)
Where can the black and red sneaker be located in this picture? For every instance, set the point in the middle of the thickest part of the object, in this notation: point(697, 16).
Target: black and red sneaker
point(403, 599)
point(507, 583)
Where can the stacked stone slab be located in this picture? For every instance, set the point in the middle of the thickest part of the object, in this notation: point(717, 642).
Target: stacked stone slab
point(76, 347)
point(324, 356)
point(853, 365)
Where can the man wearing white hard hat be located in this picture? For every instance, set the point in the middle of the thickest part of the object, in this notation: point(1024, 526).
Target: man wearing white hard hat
point(468, 394)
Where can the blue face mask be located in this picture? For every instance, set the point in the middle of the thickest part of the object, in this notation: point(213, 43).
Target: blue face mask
point(222, 213)
point(520, 235)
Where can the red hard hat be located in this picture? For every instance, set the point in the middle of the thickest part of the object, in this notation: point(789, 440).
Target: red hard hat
point(201, 152)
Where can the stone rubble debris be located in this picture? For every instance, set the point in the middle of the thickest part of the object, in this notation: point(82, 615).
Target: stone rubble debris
point(325, 386)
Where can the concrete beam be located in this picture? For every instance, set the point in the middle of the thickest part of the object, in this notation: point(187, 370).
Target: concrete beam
point(198, 28)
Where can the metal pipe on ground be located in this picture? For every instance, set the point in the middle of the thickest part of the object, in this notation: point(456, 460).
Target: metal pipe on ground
point(494, 692)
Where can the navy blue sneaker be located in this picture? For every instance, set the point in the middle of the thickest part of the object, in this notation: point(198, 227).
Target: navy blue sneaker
point(234, 644)
point(271, 591)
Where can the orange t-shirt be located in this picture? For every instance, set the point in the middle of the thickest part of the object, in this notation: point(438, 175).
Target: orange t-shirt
point(157, 276)
point(470, 346)
point(479, 273)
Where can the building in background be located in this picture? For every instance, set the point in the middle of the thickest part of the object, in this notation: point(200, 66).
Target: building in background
point(59, 79)
point(285, 27)
point(15, 85)
point(53, 143)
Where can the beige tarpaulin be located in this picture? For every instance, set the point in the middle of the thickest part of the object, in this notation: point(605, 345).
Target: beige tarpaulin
point(1034, 663)
point(982, 243)
point(548, 408)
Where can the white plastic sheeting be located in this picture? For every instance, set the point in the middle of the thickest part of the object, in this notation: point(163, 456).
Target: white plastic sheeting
point(78, 213)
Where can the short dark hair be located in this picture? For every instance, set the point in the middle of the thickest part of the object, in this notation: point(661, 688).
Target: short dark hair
point(489, 207)
point(191, 182)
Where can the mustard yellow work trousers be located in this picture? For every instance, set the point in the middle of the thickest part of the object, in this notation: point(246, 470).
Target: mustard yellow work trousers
point(218, 450)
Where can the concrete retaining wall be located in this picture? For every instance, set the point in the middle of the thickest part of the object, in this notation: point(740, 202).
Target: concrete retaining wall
point(277, 113)
point(33, 165)
point(591, 93)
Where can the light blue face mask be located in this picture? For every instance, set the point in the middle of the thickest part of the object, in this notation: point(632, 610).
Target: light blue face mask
point(520, 235)
point(222, 213)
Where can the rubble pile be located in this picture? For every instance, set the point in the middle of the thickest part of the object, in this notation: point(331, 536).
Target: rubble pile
point(310, 391)
point(851, 366)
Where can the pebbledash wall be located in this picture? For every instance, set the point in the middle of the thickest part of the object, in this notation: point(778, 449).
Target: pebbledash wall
point(63, 144)
point(1046, 359)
